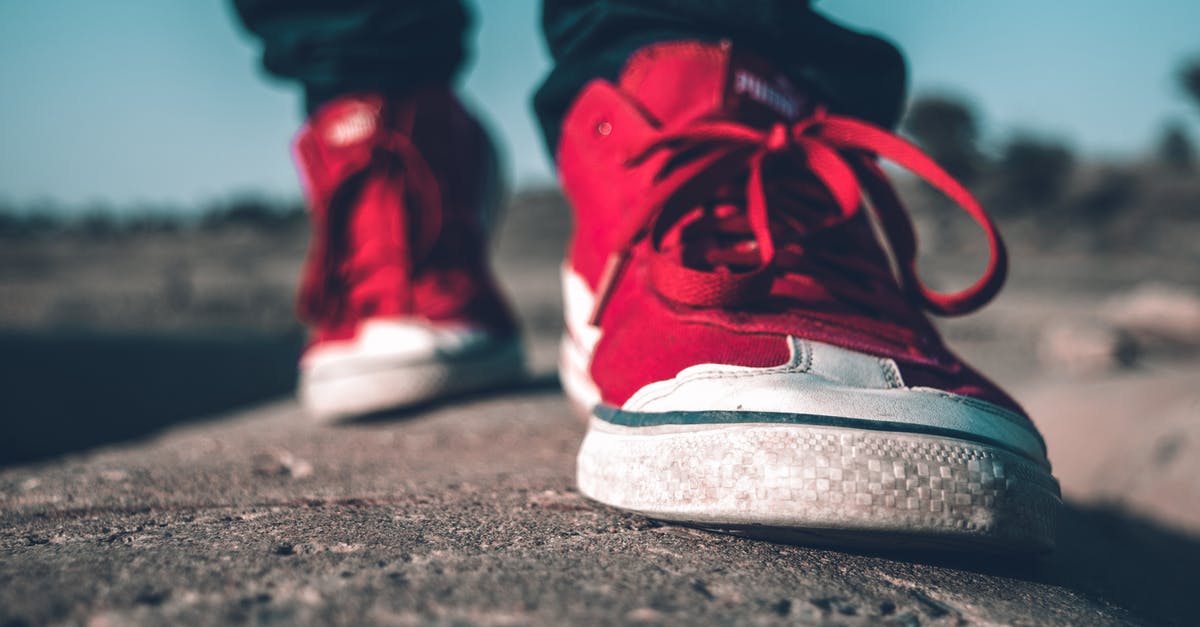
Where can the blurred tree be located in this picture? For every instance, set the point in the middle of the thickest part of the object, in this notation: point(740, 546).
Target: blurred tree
point(1112, 190)
point(1035, 171)
point(1189, 79)
point(10, 222)
point(155, 221)
point(254, 211)
point(947, 128)
point(1175, 149)
point(98, 222)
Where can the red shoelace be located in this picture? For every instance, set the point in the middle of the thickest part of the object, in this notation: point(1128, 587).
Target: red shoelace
point(842, 155)
point(396, 184)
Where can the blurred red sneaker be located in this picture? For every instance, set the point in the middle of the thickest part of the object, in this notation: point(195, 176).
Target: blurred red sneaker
point(748, 357)
point(397, 287)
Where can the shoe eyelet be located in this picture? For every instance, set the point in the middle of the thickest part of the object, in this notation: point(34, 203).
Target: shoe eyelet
point(604, 128)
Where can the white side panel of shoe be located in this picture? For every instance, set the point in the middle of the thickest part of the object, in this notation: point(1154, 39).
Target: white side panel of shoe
point(394, 363)
point(578, 341)
point(825, 380)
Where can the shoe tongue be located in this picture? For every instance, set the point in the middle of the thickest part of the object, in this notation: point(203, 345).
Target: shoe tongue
point(680, 81)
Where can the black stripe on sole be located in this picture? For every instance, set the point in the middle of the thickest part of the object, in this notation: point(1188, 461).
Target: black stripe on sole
point(626, 418)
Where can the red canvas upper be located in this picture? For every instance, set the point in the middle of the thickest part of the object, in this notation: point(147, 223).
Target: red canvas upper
point(395, 188)
point(720, 209)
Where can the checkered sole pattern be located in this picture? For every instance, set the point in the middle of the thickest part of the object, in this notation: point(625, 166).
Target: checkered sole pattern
point(844, 486)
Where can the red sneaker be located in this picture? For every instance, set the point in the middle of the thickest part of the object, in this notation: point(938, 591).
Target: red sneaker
point(748, 357)
point(397, 287)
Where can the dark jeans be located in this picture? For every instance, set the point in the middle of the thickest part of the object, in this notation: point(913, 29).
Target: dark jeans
point(340, 46)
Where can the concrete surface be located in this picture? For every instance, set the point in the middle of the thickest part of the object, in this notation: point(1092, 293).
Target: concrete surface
point(466, 513)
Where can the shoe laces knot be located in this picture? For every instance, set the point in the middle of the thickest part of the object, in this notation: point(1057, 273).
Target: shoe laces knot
point(831, 161)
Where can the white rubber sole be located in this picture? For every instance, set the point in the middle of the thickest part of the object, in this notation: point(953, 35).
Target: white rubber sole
point(824, 485)
point(376, 384)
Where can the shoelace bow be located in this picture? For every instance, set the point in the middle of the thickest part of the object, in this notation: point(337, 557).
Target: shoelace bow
point(841, 153)
point(398, 180)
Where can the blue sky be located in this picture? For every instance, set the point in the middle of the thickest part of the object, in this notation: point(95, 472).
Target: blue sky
point(160, 102)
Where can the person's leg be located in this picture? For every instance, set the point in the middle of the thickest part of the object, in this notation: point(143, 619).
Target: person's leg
point(334, 47)
point(401, 180)
point(748, 337)
point(860, 75)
